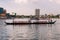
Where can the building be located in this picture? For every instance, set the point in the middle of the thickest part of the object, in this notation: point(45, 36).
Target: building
point(37, 13)
point(2, 12)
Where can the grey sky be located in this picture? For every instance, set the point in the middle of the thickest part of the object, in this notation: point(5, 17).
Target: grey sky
point(27, 7)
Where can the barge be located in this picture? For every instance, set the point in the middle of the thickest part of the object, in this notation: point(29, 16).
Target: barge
point(22, 21)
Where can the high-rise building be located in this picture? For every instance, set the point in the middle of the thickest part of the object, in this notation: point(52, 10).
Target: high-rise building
point(37, 13)
point(2, 12)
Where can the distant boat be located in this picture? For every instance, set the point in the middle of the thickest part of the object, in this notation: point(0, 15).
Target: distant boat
point(33, 21)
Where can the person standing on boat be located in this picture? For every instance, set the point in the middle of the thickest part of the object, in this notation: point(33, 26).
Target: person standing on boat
point(51, 20)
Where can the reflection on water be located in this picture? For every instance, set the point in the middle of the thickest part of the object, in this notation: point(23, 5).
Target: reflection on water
point(30, 32)
point(33, 32)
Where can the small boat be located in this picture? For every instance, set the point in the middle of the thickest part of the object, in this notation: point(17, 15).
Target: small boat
point(29, 22)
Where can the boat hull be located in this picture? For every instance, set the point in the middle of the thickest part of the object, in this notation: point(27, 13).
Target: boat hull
point(31, 23)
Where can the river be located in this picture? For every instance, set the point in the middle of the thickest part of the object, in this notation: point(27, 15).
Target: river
point(30, 32)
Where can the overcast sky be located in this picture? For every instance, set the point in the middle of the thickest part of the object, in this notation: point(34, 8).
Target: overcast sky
point(27, 7)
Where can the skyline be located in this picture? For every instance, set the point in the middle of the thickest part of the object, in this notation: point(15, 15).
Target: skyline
point(27, 7)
